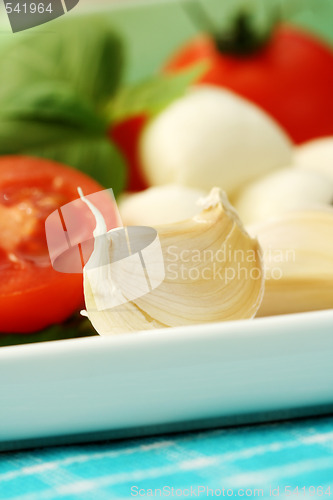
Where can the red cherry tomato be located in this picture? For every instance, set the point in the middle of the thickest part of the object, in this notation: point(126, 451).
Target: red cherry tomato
point(291, 78)
point(126, 135)
point(32, 294)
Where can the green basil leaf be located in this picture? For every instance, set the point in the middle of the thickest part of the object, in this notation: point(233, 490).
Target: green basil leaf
point(95, 156)
point(51, 121)
point(75, 327)
point(151, 96)
point(53, 103)
point(82, 51)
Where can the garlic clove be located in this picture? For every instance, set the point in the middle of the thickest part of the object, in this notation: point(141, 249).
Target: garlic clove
point(212, 137)
point(213, 272)
point(282, 191)
point(316, 155)
point(159, 205)
point(298, 259)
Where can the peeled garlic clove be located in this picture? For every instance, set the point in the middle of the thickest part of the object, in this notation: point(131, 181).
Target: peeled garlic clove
point(298, 259)
point(212, 137)
point(281, 191)
point(213, 272)
point(316, 155)
point(160, 205)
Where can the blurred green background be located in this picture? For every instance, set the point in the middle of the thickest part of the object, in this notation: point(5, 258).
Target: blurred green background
point(153, 29)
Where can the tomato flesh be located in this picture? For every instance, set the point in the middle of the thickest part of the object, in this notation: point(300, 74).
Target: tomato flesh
point(32, 294)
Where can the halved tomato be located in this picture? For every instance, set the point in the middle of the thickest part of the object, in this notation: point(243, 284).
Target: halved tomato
point(32, 294)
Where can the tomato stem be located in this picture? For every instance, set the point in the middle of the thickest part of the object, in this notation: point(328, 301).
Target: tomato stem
point(242, 39)
point(198, 15)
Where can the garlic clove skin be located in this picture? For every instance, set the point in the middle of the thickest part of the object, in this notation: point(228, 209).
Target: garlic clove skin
point(213, 272)
point(282, 191)
point(159, 205)
point(298, 258)
point(316, 155)
point(212, 137)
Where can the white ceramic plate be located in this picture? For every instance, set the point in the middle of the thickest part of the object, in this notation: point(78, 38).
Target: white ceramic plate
point(164, 380)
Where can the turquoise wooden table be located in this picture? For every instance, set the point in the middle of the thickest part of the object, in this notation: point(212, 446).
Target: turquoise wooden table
point(261, 460)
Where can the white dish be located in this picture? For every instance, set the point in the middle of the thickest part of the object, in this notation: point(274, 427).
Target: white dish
point(164, 380)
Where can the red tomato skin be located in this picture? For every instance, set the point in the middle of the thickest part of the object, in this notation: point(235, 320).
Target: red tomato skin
point(291, 78)
point(41, 306)
point(39, 296)
point(126, 135)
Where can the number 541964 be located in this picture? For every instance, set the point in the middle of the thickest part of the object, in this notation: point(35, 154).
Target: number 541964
point(24, 8)
point(317, 491)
